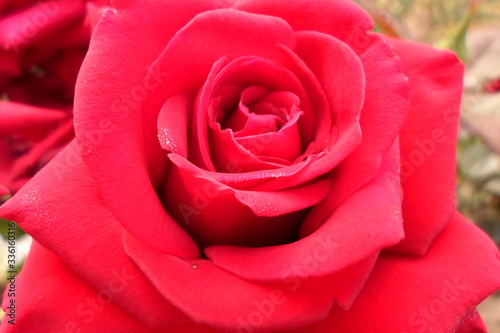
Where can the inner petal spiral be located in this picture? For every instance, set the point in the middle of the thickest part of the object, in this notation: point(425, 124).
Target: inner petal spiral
point(254, 121)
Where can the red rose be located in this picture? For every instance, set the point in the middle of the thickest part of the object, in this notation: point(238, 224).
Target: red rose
point(42, 46)
point(247, 167)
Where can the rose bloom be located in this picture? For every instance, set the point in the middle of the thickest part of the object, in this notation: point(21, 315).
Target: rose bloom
point(253, 166)
point(42, 46)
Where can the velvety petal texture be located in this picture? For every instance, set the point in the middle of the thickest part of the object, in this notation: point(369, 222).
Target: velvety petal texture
point(240, 166)
point(428, 141)
point(46, 217)
point(85, 309)
point(430, 294)
point(111, 116)
point(343, 237)
point(46, 281)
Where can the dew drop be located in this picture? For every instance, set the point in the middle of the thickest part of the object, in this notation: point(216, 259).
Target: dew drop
point(262, 208)
point(167, 141)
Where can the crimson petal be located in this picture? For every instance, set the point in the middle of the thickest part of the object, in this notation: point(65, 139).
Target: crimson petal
point(51, 224)
point(428, 142)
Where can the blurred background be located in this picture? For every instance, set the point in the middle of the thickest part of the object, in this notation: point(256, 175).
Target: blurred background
point(471, 28)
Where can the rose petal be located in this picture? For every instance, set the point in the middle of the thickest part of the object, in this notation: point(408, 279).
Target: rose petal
point(173, 124)
point(472, 323)
point(29, 163)
point(284, 143)
point(336, 18)
point(428, 142)
point(196, 200)
point(341, 76)
point(85, 308)
point(244, 35)
point(230, 156)
point(45, 283)
point(349, 235)
point(250, 180)
point(189, 70)
point(43, 216)
point(386, 104)
point(260, 76)
point(442, 291)
point(211, 296)
point(242, 121)
point(385, 100)
point(111, 116)
point(18, 118)
point(120, 89)
point(345, 135)
point(21, 29)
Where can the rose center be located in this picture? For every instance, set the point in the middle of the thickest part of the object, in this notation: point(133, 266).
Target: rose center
point(264, 124)
point(251, 117)
point(253, 109)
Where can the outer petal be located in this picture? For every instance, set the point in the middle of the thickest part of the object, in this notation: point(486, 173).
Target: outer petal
point(51, 297)
point(386, 100)
point(472, 323)
point(25, 166)
point(29, 137)
point(60, 207)
point(23, 28)
point(337, 18)
point(435, 293)
point(214, 297)
point(46, 283)
point(17, 117)
point(383, 113)
point(302, 278)
point(111, 116)
point(428, 142)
